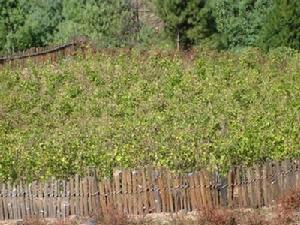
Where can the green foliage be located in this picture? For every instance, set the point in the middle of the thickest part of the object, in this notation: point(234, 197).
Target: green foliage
point(191, 20)
point(219, 24)
point(136, 110)
point(28, 23)
point(34, 23)
point(282, 27)
point(40, 24)
point(240, 22)
point(105, 22)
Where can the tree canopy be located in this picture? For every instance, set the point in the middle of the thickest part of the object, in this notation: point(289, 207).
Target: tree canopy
point(191, 20)
point(221, 24)
point(282, 26)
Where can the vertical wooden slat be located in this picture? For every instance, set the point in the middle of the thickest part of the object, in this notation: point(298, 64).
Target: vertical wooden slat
point(135, 192)
point(129, 190)
point(170, 191)
point(41, 199)
point(17, 201)
point(230, 188)
point(106, 193)
point(97, 194)
point(145, 193)
point(10, 201)
point(78, 197)
point(238, 191)
point(297, 172)
point(162, 191)
point(59, 198)
point(46, 200)
point(52, 198)
point(139, 190)
point(64, 208)
point(22, 196)
point(14, 201)
point(265, 184)
point(67, 198)
point(279, 174)
point(33, 196)
point(102, 196)
point(93, 207)
point(167, 189)
point(284, 177)
point(198, 190)
point(208, 191)
point(82, 197)
point(29, 212)
point(111, 202)
point(155, 191)
point(60, 202)
point(124, 191)
point(294, 168)
point(2, 216)
point(151, 190)
point(116, 175)
point(72, 196)
point(249, 187)
point(186, 193)
point(178, 193)
point(85, 194)
point(258, 185)
point(182, 192)
point(193, 196)
point(90, 195)
point(244, 189)
point(289, 175)
point(174, 192)
point(5, 210)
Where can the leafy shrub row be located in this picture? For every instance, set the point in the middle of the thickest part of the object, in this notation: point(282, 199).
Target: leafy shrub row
point(132, 110)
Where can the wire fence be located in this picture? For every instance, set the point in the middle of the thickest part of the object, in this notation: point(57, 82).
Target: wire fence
point(149, 190)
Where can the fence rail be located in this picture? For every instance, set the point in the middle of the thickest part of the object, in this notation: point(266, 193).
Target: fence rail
point(38, 55)
point(144, 191)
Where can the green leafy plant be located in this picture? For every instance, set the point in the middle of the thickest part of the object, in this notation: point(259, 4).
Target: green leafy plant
point(139, 109)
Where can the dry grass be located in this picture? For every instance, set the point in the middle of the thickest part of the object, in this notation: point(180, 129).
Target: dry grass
point(284, 214)
point(216, 217)
point(112, 216)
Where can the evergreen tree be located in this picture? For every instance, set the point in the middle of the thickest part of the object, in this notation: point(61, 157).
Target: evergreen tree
point(12, 17)
point(191, 20)
point(282, 26)
point(240, 21)
point(41, 21)
point(27, 23)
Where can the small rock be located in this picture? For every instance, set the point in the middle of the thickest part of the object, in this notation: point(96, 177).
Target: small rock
point(19, 222)
point(90, 222)
point(73, 218)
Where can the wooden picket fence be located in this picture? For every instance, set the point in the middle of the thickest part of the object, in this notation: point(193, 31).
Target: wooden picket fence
point(150, 190)
point(45, 54)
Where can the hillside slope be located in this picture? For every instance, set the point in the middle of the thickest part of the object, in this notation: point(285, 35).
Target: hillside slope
point(135, 110)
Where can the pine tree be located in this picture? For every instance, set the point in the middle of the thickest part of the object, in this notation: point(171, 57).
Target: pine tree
point(282, 26)
point(191, 20)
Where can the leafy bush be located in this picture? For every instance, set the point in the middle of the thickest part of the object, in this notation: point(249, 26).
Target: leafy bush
point(282, 26)
point(131, 110)
point(240, 22)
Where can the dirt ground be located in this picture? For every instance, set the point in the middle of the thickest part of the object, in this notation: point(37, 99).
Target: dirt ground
point(264, 216)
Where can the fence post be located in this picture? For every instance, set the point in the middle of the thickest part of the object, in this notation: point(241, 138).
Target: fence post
point(230, 181)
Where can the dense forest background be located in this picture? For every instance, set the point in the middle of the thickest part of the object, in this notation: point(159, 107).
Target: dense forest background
point(218, 24)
